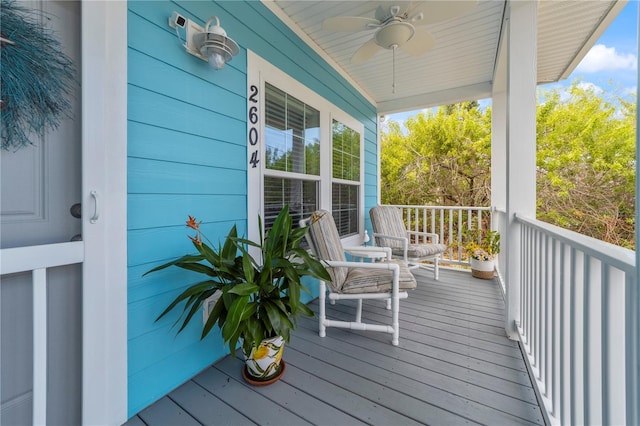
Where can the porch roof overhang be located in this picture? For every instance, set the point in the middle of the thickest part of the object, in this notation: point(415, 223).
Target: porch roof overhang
point(463, 64)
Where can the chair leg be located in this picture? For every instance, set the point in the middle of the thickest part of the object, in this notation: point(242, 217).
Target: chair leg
point(395, 323)
point(359, 311)
point(388, 304)
point(436, 269)
point(322, 330)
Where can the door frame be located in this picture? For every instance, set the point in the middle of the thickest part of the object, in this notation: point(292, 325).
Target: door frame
point(104, 173)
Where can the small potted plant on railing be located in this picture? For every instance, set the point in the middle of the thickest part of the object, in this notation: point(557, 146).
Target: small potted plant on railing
point(260, 300)
point(482, 247)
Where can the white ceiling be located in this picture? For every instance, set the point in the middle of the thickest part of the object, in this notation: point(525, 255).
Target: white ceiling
point(461, 66)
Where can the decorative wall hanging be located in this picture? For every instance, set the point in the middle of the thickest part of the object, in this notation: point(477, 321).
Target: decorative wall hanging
point(37, 77)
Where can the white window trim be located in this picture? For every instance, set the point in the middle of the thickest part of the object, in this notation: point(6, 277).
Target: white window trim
point(260, 71)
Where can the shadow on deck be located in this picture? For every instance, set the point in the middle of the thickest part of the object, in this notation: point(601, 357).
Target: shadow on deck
point(454, 365)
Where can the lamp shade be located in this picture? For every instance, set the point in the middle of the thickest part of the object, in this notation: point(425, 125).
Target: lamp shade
point(214, 44)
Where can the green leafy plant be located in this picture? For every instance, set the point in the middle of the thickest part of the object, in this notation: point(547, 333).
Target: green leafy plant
point(260, 299)
point(482, 244)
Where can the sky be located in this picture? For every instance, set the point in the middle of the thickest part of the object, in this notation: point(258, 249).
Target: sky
point(611, 63)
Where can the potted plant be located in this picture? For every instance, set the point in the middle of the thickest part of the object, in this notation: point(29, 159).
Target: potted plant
point(259, 298)
point(482, 248)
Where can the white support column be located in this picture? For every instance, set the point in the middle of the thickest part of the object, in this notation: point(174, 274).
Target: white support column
point(633, 318)
point(521, 142)
point(499, 150)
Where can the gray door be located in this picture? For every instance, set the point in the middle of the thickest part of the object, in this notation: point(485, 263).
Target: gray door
point(38, 186)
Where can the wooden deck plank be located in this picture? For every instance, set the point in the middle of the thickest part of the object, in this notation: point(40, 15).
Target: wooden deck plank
point(134, 421)
point(165, 412)
point(407, 409)
point(205, 407)
point(342, 398)
point(438, 372)
point(437, 390)
point(260, 410)
point(414, 342)
point(454, 365)
point(415, 333)
point(293, 399)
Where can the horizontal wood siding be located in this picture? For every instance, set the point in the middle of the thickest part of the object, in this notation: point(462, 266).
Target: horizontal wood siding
point(187, 142)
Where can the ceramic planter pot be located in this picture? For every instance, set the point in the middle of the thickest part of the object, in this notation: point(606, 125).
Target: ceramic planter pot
point(482, 268)
point(264, 362)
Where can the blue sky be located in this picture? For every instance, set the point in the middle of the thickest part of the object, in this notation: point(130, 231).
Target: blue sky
point(610, 64)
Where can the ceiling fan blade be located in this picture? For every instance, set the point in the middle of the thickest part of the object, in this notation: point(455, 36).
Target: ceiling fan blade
point(430, 12)
point(349, 23)
point(365, 52)
point(421, 42)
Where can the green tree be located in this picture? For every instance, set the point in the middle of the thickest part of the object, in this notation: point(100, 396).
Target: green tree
point(585, 160)
point(586, 163)
point(444, 158)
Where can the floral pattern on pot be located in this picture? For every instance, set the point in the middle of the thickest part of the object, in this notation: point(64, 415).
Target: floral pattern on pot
point(264, 361)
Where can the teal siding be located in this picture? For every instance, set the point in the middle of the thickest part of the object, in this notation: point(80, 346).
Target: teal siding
point(187, 148)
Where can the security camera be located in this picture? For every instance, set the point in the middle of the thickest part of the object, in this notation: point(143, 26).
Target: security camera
point(177, 20)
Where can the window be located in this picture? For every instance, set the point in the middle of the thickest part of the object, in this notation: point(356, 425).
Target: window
point(346, 178)
point(292, 156)
point(303, 151)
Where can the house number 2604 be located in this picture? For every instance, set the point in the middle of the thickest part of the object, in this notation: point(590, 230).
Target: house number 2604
point(253, 128)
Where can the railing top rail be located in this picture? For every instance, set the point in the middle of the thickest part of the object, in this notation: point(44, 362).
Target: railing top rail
point(616, 256)
point(22, 259)
point(440, 207)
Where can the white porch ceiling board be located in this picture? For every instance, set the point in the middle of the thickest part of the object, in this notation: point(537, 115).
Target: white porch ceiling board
point(464, 56)
point(573, 22)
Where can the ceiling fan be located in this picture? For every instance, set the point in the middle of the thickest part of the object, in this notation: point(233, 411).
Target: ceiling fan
point(395, 25)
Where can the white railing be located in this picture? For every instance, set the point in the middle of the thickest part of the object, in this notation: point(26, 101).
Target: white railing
point(578, 323)
point(37, 259)
point(449, 222)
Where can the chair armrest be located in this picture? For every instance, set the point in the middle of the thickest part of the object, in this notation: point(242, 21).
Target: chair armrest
point(375, 234)
point(404, 240)
point(433, 236)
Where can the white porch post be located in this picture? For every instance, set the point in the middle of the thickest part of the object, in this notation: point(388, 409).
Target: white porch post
point(520, 142)
point(104, 162)
point(633, 332)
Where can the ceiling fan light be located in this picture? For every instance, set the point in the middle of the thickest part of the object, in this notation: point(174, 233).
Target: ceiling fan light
point(394, 34)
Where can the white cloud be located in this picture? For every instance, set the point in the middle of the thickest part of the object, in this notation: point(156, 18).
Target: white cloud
point(585, 85)
point(603, 58)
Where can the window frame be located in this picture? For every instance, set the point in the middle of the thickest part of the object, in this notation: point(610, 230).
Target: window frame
point(259, 72)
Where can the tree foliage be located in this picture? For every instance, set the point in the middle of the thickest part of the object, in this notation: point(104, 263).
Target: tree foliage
point(444, 158)
point(586, 164)
point(585, 160)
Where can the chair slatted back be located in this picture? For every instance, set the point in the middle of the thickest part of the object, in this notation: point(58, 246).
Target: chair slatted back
point(324, 240)
point(388, 220)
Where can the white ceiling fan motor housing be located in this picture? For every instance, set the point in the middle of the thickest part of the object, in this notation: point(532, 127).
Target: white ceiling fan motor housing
point(394, 34)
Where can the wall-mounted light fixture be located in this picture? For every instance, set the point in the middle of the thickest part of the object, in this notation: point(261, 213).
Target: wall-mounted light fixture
point(209, 44)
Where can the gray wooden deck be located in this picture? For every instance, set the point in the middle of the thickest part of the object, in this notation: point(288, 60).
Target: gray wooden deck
point(454, 365)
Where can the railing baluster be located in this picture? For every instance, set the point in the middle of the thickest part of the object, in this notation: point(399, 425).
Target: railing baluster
point(547, 316)
point(533, 320)
point(563, 370)
point(586, 329)
point(555, 326)
point(425, 227)
point(631, 352)
point(605, 273)
point(433, 225)
point(39, 279)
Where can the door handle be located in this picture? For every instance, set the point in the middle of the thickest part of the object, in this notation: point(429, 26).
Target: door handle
point(96, 211)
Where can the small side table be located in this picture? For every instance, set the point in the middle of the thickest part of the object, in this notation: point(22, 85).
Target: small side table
point(363, 253)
